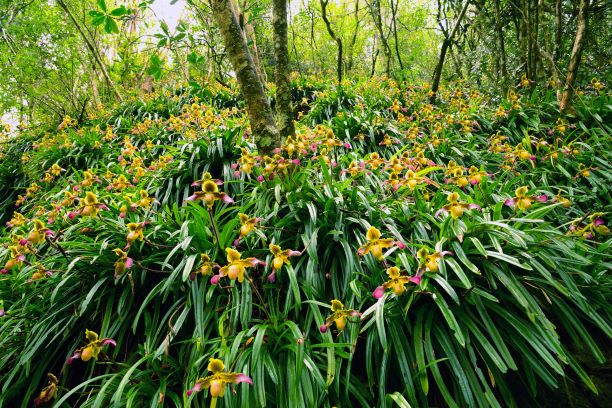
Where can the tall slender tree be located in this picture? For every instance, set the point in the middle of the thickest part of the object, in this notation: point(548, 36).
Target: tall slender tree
point(264, 129)
point(335, 37)
point(284, 100)
point(448, 39)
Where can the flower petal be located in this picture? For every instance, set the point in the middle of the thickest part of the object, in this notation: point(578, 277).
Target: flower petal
point(107, 341)
point(75, 356)
point(379, 292)
point(243, 378)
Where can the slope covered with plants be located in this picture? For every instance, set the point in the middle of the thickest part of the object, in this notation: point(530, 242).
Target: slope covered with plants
point(391, 252)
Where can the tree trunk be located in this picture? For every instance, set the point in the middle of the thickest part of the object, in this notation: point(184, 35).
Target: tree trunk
point(249, 32)
point(502, 47)
point(351, 49)
point(92, 48)
point(394, 7)
point(333, 35)
point(445, 44)
point(284, 100)
point(564, 96)
point(258, 106)
point(376, 16)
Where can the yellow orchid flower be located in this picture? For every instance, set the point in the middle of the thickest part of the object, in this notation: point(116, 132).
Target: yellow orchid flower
point(248, 224)
point(431, 261)
point(135, 232)
point(218, 379)
point(49, 392)
point(522, 201)
point(455, 207)
point(236, 266)
point(15, 261)
point(123, 263)
point(93, 347)
point(397, 282)
point(375, 244)
point(210, 191)
point(38, 234)
point(339, 316)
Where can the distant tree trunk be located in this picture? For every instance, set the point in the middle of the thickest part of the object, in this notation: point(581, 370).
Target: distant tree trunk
point(445, 44)
point(376, 16)
point(249, 32)
point(258, 106)
point(374, 57)
point(335, 37)
point(351, 48)
point(394, 6)
point(565, 94)
point(284, 100)
point(92, 48)
point(502, 47)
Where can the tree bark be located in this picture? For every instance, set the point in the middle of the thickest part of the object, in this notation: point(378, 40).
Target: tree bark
point(284, 100)
point(502, 47)
point(376, 16)
point(92, 49)
point(249, 32)
point(445, 44)
point(351, 48)
point(335, 37)
point(564, 96)
point(394, 7)
point(258, 106)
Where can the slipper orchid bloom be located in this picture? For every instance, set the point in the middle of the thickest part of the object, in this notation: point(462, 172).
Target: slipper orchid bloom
point(123, 263)
point(135, 232)
point(236, 266)
point(248, 224)
point(396, 282)
point(18, 220)
point(376, 244)
point(15, 261)
point(431, 261)
point(522, 201)
point(92, 349)
point(281, 257)
point(218, 379)
point(91, 205)
point(210, 192)
point(49, 392)
point(38, 234)
point(338, 317)
point(456, 207)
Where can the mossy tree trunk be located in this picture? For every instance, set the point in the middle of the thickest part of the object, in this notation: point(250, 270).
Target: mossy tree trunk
point(565, 94)
point(264, 130)
point(284, 100)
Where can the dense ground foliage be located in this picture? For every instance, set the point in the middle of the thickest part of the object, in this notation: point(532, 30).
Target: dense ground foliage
point(393, 252)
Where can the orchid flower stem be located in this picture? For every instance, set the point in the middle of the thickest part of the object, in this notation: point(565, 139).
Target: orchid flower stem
point(259, 297)
point(213, 402)
point(214, 228)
